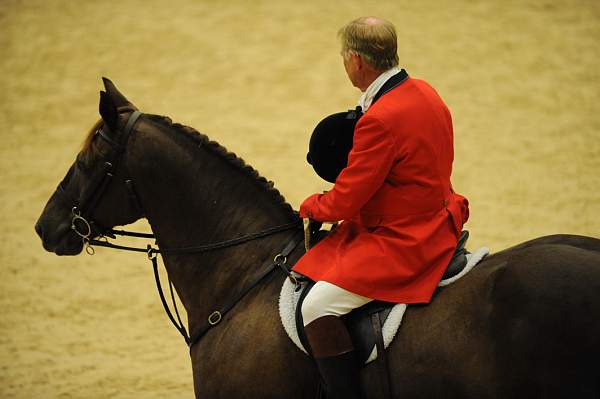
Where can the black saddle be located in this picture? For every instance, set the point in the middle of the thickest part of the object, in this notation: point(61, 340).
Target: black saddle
point(359, 321)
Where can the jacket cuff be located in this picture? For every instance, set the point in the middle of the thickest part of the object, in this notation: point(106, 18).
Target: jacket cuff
point(309, 207)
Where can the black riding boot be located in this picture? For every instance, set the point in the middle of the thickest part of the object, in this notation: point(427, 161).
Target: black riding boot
point(333, 351)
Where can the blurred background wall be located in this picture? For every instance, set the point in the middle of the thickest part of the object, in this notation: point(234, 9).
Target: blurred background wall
point(521, 79)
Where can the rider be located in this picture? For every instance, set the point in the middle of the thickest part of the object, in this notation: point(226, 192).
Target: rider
point(401, 217)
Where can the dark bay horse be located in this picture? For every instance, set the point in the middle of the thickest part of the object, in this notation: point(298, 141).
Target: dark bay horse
point(525, 323)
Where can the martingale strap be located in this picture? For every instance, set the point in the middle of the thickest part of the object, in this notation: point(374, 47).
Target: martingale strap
point(178, 324)
point(277, 263)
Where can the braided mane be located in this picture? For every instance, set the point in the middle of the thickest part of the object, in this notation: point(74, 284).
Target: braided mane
point(231, 158)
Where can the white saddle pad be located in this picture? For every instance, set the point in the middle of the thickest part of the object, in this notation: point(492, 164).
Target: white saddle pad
point(288, 299)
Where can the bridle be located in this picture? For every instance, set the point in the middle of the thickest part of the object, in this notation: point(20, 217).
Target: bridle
point(81, 222)
point(94, 234)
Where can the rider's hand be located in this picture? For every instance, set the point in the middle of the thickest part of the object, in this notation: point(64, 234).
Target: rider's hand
point(314, 226)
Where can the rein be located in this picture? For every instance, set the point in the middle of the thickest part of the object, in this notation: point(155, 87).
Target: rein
point(92, 234)
point(102, 242)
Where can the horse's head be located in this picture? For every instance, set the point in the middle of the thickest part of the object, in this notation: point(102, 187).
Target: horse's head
point(96, 193)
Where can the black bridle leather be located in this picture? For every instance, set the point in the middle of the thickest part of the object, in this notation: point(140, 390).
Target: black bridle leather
point(94, 234)
point(82, 223)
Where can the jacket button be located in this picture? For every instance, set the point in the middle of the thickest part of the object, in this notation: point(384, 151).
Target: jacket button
point(445, 202)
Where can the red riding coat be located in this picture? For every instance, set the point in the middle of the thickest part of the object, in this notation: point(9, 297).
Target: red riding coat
point(401, 217)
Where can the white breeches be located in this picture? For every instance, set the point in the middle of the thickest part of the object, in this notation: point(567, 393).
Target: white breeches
point(326, 299)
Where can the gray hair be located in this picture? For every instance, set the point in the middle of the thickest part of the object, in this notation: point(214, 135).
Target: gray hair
point(372, 38)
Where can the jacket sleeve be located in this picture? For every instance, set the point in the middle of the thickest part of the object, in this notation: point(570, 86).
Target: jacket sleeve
point(372, 156)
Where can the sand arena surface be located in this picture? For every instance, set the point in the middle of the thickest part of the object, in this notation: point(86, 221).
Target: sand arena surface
point(521, 79)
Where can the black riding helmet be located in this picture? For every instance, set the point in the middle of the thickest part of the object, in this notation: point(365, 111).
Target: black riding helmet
point(331, 142)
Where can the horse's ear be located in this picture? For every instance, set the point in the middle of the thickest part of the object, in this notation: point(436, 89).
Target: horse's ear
point(108, 110)
point(118, 99)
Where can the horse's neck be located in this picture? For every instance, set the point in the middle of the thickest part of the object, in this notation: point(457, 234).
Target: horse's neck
point(194, 196)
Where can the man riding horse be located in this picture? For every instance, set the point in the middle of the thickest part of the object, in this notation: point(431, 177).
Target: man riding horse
point(401, 217)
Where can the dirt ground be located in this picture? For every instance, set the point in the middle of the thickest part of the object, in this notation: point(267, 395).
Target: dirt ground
point(520, 77)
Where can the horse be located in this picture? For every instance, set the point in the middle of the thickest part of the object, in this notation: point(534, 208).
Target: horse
point(524, 323)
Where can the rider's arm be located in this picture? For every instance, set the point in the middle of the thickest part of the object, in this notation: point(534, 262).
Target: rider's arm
point(373, 154)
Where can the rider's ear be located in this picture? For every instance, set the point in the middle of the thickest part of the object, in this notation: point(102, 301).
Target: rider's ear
point(108, 111)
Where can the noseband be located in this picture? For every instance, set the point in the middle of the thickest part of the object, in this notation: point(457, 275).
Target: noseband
point(93, 234)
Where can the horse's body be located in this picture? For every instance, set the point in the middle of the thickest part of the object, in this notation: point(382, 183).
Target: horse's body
point(523, 323)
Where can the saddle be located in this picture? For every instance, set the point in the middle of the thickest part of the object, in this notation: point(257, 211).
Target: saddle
point(364, 323)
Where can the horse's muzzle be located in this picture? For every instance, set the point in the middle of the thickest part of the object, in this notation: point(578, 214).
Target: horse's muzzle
point(61, 242)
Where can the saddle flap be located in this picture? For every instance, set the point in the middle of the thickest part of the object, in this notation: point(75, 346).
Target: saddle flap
point(360, 327)
point(358, 323)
